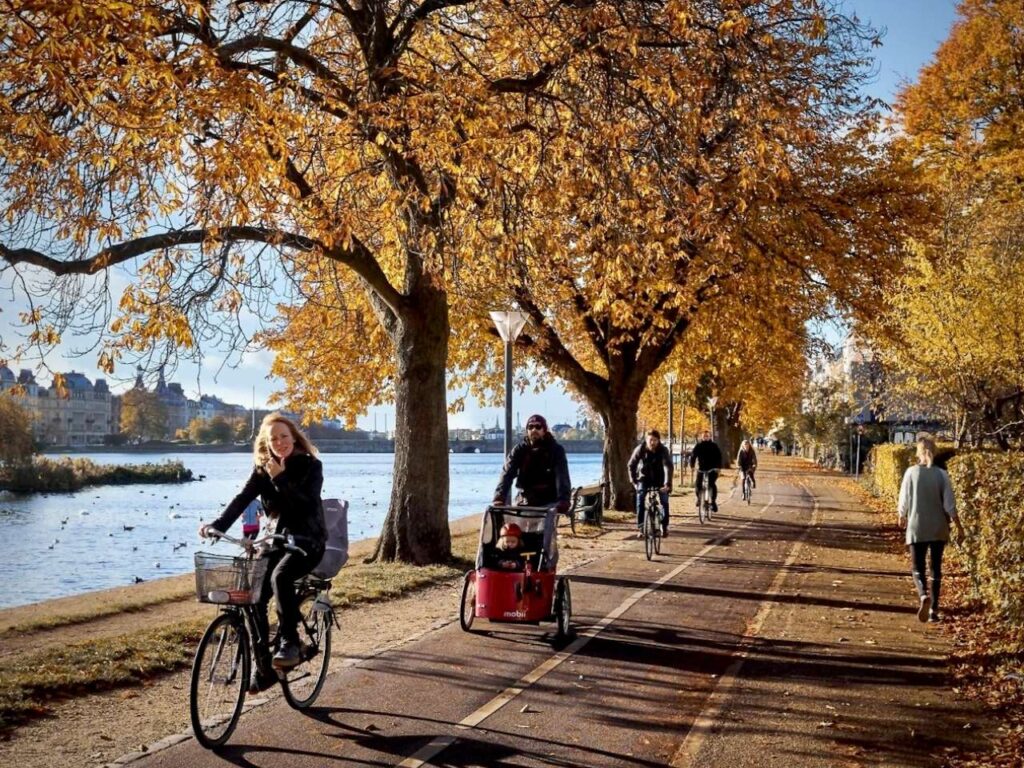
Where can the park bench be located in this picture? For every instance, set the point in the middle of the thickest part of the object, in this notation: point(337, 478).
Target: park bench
point(588, 503)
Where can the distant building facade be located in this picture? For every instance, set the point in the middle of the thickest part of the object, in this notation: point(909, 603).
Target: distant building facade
point(80, 415)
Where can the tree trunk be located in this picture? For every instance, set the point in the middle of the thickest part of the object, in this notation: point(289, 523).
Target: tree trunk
point(725, 435)
point(416, 527)
point(619, 442)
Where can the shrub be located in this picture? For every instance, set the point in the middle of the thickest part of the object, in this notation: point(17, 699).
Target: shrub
point(990, 500)
point(890, 461)
point(65, 474)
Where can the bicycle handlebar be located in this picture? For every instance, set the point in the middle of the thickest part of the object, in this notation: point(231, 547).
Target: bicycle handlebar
point(288, 542)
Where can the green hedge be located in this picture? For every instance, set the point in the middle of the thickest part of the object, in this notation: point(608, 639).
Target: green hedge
point(989, 490)
point(889, 462)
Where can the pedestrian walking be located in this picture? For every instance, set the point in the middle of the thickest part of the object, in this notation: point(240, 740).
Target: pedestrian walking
point(926, 508)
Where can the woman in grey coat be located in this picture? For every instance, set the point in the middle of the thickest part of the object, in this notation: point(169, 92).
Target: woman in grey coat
point(926, 507)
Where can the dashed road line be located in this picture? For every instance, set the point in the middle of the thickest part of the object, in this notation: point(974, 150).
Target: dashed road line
point(421, 758)
point(704, 723)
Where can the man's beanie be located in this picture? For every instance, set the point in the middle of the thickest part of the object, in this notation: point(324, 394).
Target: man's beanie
point(537, 419)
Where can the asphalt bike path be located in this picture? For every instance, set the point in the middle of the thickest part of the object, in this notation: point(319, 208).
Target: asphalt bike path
point(668, 658)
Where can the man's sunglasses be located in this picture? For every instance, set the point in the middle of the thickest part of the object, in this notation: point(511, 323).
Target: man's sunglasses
point(536, 427)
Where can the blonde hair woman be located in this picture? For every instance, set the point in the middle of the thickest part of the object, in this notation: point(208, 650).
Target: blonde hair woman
point(926, 507)
point(287, 476)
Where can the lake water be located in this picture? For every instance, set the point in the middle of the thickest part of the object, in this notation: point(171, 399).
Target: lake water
point(68, 543)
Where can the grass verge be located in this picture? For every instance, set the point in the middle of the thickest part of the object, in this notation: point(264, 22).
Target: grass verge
point(31, 683)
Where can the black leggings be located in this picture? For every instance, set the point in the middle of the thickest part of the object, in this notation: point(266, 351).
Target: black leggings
point(918, 551)
point(284, 570)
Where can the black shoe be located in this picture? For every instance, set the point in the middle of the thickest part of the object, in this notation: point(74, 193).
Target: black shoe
point(288, 656)
point(933, 617)
point(664, 533)
point(260, 681)
point(714, 507)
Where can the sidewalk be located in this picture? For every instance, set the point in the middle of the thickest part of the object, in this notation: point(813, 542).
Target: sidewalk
point(836, 669)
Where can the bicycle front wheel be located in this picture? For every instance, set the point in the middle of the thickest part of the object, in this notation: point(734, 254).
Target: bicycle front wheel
point(305, 681)
point(649, 524)
point(654, 513)
point(220, 676)
point(701, 507)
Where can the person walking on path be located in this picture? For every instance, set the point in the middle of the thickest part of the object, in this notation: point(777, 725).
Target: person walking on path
point(926, 507)
point(650, 466)
point(539, 468)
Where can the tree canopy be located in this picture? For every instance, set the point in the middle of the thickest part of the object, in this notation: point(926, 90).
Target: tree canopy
point(953, 331)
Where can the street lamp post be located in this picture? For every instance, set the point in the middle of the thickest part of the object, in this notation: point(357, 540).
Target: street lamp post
point(712, 401)
point(670, 379)
point(510, 325)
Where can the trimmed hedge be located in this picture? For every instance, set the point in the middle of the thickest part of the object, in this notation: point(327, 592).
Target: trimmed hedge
point(989, 490)
point(890, 461)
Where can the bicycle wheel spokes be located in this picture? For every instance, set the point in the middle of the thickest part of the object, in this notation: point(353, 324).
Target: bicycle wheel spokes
point(220, 676)
point(305, 681)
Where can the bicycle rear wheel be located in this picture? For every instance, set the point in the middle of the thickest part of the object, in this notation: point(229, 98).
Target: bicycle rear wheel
point(220, 676)
point(304, 682)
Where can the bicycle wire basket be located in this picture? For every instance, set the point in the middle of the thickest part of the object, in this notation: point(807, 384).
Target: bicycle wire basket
point(228, 580)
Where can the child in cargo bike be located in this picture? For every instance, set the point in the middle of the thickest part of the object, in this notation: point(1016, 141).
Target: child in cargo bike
point(510, 555)
point(288, 477)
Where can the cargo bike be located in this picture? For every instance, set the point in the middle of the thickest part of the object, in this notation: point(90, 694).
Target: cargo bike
point(520, 589)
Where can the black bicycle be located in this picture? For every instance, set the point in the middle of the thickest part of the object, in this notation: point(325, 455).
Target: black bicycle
point(654, 519)
point(748, 486)
point(703, 495)
point(234, 642)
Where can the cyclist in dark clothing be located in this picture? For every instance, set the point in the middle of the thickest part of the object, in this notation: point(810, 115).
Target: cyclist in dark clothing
point(708, 458)
point(650, 466)
point(747, 461)
point(539, 468)
point(288, 478)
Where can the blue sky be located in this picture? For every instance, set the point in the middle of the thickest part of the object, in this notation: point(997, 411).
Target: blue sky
point(913, 30)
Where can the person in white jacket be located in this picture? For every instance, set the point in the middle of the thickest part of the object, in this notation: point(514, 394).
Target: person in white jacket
point(926, 508)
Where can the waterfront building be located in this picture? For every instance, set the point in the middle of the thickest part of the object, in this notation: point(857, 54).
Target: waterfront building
point(79, 413)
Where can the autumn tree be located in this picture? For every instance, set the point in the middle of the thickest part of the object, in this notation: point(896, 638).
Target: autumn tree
point(16, 442)
point(953, 337)
point(143, 416)
point(703, 142)
point(235, 154)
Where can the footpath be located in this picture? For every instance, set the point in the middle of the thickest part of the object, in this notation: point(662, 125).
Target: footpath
point(781, 633)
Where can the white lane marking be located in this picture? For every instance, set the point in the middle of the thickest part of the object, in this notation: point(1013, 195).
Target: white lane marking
point(437, 745)
point(700, 730)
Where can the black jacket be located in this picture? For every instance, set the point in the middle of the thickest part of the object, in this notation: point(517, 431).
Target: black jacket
point(746, 459)
point(292, 499)
point(652, 469)
point(541, 473)
point(706, 455)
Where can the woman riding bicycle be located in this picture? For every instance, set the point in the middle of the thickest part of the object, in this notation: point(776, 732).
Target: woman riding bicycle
point(288, 478)
point(747, 461)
